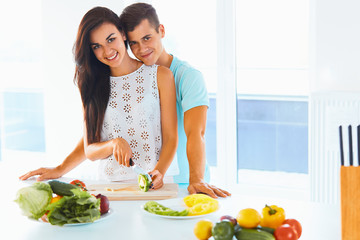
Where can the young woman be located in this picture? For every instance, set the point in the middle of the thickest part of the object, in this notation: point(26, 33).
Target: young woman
point(129, 108)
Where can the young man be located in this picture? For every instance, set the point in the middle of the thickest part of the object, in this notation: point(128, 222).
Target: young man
point(144, 34)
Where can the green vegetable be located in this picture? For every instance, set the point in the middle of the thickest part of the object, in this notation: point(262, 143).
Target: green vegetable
point(266, 229)
point(144, 182)
point(223, 230)
point(82, 207)
point(62, 188)
point(156, 208)
point(34, 199)
point(253, 234)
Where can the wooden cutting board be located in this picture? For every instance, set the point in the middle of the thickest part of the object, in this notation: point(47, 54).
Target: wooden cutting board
point(131, 191)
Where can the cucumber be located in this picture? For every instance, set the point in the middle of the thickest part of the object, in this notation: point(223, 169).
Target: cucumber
point(266, 229)
point(62, 188)
point(253, 234)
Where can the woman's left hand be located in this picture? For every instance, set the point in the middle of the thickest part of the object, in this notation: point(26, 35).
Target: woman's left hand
point(157, 179)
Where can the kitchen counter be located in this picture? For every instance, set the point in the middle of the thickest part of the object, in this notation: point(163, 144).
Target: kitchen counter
point(128, 221)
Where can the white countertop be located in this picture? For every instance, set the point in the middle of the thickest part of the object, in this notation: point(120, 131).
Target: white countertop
point(319, 221)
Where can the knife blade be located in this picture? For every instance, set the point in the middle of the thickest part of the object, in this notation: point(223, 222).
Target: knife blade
point(139, 170)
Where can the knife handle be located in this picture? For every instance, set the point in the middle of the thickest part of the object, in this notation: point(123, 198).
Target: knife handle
point(351, 158)
point(131, 162)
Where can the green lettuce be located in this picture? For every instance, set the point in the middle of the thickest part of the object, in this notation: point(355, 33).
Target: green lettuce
point(82, 207)
point(33, 200)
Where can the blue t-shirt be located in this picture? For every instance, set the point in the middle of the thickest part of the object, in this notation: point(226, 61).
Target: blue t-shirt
point(190, 92)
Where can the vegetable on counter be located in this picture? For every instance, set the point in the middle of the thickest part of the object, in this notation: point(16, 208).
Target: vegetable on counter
point(61, 203)
point(223, 230)
point(248, 218)
point(104, 203)
point(34, 199)
point(200, 204)
point(79, 183)
point(253, 234)
point(56, 198)
point(203, 208)
point(156, 208)
point(144, 182)
point(229, 218)
point(266, 229)
point(246, 226)
point(81, 207)
point(202, 229)
point(197, 198)
point(294, 224)
point(62, 188)
point(285, 232)
point(272, 216)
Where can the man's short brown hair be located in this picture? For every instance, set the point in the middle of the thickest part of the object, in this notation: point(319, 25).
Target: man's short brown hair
point(133, 14)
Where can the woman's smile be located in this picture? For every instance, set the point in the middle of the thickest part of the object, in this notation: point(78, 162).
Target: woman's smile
point(112, 57)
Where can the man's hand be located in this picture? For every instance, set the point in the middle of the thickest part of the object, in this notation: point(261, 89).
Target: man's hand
point(194, 125)
point(211, 190)
point(44, 174)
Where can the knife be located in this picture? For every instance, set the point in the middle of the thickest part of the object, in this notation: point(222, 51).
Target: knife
point(139, 170)
point(341, 147)
point(358, 144)
point(351, 159)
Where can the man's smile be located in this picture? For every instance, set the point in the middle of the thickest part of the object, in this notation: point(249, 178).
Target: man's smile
point(146, 55)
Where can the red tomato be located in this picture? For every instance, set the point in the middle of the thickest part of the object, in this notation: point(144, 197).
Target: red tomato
point(44, 218)
point(295, 224)
point(79, 184)
point(285, 232)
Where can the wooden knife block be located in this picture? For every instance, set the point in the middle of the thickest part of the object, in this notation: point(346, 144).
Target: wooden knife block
point(350, 202)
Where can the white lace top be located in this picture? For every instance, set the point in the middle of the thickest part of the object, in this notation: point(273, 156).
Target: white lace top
point(133, 113)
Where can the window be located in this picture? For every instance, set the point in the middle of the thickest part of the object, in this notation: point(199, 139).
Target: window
point(23, 121)
point(21, 86)
point(271, 61)
point(194, 40)
point(272, 90)
point(272, 47)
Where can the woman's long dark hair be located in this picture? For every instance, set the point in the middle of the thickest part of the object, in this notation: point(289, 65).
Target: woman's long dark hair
point(92, 76)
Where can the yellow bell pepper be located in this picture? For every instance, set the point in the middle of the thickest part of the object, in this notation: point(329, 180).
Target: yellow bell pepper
point(199, 204)
point(55, 199)
point(197, 198)
point(272, 216)
point(203, 208)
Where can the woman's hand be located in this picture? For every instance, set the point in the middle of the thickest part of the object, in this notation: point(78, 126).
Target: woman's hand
point(122, 151)
point(44, 174)
point(157, 179)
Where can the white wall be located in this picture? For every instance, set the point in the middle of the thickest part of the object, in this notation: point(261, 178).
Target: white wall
point(335, 45)
point(335, 90)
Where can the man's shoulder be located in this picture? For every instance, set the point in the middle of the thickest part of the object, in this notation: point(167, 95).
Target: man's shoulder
point(183, 68)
